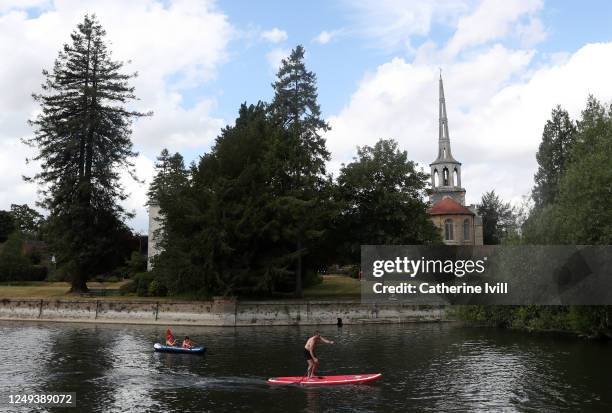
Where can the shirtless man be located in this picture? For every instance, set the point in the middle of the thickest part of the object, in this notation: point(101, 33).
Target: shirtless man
point(309, 352)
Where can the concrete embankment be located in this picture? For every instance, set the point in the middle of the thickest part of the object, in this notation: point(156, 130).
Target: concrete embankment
point(219, 312)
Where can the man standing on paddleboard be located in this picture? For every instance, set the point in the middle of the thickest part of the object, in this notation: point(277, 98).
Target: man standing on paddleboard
point(309, 352)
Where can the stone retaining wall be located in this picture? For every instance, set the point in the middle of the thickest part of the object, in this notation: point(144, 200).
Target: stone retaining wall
point(218, 312)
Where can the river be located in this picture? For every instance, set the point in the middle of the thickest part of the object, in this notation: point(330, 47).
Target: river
point(426, 368)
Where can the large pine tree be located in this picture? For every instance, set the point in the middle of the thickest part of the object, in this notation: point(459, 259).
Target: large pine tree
point(83, 137)
point(301, 190)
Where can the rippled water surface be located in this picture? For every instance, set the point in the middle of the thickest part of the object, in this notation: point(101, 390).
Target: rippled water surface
point(426, 368)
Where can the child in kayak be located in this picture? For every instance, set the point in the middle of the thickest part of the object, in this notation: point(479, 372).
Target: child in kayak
point(309, 352)
point(187, 343)
point(170, 341)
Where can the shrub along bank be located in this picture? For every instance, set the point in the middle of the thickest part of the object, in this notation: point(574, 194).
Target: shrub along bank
point(585, 321)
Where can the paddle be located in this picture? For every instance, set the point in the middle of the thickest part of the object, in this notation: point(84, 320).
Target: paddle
point(303, 377)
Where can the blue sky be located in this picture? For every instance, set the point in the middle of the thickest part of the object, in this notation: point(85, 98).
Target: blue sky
point(505, 65)
point(343, 62)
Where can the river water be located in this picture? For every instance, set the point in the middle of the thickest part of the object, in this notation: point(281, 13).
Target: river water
point(426, 368)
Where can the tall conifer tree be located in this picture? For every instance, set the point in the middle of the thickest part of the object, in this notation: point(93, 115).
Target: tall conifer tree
point(83, 137)
point(296, 110)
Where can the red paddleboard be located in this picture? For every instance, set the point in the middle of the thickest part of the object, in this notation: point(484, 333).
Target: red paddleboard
point(326, 380)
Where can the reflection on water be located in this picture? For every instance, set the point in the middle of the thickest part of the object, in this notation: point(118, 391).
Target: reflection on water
point(426, 367)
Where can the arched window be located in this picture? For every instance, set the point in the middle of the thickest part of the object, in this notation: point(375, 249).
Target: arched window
point(444, 153)
point(455, 176)
point(436, 178)
point(445, 177)
point(466, 229)
point(448, 230)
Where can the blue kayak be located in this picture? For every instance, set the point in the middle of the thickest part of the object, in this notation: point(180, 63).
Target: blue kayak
point(172, 349)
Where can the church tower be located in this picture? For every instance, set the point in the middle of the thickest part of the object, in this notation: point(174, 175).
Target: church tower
point(459, 224)
point(445, 170)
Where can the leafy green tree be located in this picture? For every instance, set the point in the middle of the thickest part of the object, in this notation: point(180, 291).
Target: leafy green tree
point(553, 155)
point(137, 263)
point(579, 213)
point(582, 211)
point(28, 220)
point(13, 263)
point(7, 225)
point(592, 126)
point(83, 137)
point(381, 194)
point(16, 263)
point(301, 156)
point(498, 218)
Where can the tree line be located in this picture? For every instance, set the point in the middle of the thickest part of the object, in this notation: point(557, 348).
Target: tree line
point(257, 214)
point(571, 206)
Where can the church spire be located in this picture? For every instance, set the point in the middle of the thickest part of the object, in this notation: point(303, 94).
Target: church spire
point(445, 170)
point(444, 151)
point(442, 117)
point(444, 148)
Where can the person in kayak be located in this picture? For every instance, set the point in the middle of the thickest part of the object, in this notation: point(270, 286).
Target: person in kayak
point(187, 343)
point(170, 341)
point(309, 352)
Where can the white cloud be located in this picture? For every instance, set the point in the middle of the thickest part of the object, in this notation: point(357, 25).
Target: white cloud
point(326, 36)
point(493, 20)
point(173, 45)
point(6, 5)
point(275, 35)
point(531, 33)
point(390, 24)
point(144, 168)
point(497, 106)
point(275, 56)
point(178, 128)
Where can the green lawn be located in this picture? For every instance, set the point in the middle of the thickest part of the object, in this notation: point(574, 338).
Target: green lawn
point(334, 286)
point(43, 289)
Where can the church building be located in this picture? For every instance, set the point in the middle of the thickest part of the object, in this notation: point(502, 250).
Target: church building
point(459, 224)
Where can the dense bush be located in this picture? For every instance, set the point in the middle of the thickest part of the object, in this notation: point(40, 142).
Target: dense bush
point(145, 284)
point(592, 321)
point(15, 265)
point(157, 289)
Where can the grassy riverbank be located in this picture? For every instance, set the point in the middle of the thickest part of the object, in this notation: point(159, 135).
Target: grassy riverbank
point(44, 289)
point(335, 286)
point(332, 287)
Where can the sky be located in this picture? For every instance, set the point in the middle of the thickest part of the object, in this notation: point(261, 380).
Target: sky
point(505, 65)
